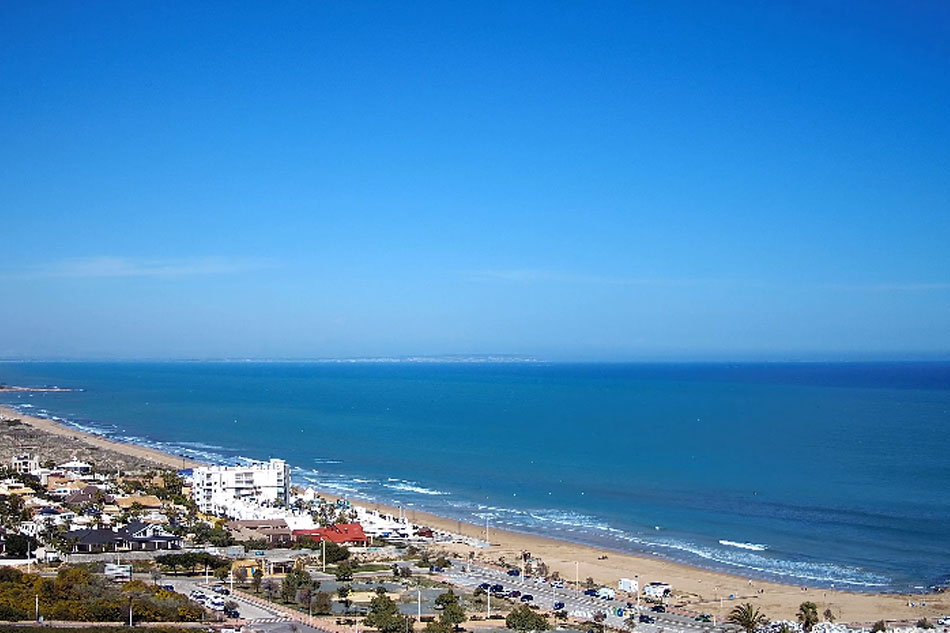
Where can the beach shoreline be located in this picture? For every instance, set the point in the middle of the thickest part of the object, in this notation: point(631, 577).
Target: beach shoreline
point(697, 589)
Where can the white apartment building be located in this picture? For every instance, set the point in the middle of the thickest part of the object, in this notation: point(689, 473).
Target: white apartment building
point(219, 489)
point(25, 463)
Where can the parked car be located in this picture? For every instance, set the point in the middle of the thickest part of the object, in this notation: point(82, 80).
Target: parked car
point(514, 572)
point(590, 592)
point(232, 613)
point(497, 588)
point(558, 606)
point(658, 608)
point(557, 584)
point(168, 587)
point(514, 594)
point(646, 619)
point(527, 597)
point(705, 617)
point(485, 585)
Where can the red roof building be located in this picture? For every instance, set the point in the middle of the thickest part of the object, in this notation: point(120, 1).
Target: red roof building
point(344, 533)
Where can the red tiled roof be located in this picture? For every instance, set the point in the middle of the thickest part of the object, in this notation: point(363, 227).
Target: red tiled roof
point(342, 533)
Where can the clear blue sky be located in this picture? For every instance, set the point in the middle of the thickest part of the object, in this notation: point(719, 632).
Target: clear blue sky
point(624, 181)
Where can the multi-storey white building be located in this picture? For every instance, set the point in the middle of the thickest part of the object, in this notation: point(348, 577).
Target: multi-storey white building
point(221, 489)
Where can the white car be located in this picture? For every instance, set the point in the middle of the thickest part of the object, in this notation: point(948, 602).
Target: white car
point(557, 584)
point(944, 621)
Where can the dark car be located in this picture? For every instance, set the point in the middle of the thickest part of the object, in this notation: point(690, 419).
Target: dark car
point(514, 593)
point(646, 619)
point(527, 597)
point(168, 587)
point(558, 606)
point(234, 614)
point(485, 585)
point(705, 617)
point(590, 592)
point(514, 572)
point(497, 588)
point(658, 608)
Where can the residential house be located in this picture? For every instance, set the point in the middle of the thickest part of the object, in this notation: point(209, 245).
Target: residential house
point(274, 531)
point(135, 536)
point(341, 534)
point(76, 468)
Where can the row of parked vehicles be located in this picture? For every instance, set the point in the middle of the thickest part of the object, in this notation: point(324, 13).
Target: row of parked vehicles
point(498, 591)
point(215, 603)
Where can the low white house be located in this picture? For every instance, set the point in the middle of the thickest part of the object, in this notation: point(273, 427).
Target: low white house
point(657, 590)
point(75, 467)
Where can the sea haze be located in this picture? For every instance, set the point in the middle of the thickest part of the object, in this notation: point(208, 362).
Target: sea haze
point(814, 474)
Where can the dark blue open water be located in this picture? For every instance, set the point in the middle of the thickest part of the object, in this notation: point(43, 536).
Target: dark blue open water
point(814, 474)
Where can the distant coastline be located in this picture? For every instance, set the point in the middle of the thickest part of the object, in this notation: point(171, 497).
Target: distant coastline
point(16, 388)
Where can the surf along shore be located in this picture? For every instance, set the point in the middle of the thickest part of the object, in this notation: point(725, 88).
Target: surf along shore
point(695, 589)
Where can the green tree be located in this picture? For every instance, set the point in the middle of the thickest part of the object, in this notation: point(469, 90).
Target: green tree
point(447, 598)
point(256, 577)
point(589, 583)
point(344, 572)
point(829, 615)
point(808, 615)
point(524, 619)
point(240, 575)
point(924, 623)
point(747, 617)
point(322, 603)
point(452, 615)
point(384, 615)
point(879, 627)
point(343, 593)
point(17, 545)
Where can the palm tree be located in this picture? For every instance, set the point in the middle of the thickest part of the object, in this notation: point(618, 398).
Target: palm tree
point(748, 617)
point(808, 615)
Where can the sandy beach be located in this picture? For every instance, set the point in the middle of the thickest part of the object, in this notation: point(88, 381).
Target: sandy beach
point(695, 589)
point(76, 439)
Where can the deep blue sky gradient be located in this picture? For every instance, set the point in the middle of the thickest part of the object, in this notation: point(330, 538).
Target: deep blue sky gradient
point(656, 180)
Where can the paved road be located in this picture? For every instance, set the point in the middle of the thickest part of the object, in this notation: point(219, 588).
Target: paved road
point(576, 603)
point(186, 585)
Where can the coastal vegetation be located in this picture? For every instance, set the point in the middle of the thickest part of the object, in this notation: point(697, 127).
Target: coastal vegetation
point(76, 594)
point(191, 562)
point(384, 615)
point(523, 618)
point(808, 615)
point(747, 617)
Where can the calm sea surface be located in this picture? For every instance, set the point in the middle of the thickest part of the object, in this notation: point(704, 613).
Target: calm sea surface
point(814, 474)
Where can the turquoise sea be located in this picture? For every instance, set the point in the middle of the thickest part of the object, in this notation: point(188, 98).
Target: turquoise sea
point(814, 474)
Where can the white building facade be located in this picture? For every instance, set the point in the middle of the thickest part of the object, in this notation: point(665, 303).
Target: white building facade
point(220, 490)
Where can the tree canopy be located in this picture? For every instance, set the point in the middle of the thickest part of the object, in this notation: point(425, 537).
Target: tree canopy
point(524, 619)
point(748, 617)
point(384, 615)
